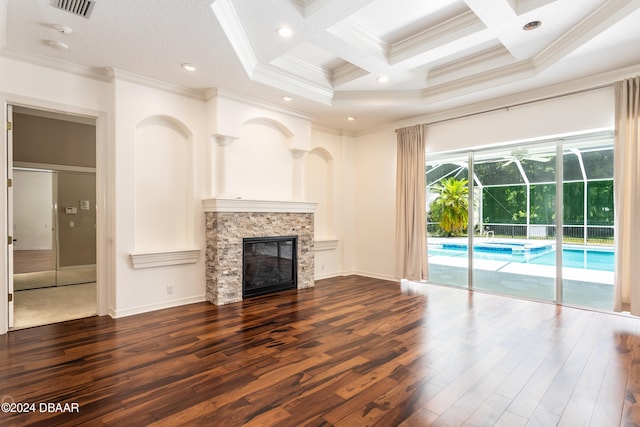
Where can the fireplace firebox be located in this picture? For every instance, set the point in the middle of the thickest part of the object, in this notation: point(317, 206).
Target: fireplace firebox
point(269, 264)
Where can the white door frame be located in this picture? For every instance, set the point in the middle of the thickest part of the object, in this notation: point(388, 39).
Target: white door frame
point(105, 179)
point(9, 163)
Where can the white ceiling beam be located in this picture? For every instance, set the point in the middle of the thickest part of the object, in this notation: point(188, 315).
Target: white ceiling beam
point(232, 27)
point(449, 37)
point(597, 22)
point(469, 65)
point(499, 17)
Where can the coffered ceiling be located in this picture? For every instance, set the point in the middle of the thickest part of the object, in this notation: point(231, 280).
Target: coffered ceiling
point(378, 61)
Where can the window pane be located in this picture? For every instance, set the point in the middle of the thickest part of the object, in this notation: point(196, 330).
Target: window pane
point(571, 167)
point(573, 198)
point(447, 267)
point(510, 252)
point(598, 164)
point(587, 254)
point(503, 172)
point(542, 169)
point(543, 204)
point(600, 202)
point(505, 205)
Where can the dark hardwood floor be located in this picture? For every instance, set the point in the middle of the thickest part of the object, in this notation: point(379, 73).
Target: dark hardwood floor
point(351, 352)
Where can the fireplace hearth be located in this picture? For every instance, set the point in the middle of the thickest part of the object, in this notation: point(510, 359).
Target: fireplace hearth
point(268, 265)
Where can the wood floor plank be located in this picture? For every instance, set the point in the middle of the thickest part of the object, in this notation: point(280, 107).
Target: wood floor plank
point(352, 351)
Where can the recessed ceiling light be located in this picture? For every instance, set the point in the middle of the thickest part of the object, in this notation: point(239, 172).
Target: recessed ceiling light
point(58, 45)
point(284, 31)
point(351, 118)
point(63, 29)
point(188, 67)
point(287, 98)
point(531, 25)
point(382, 79)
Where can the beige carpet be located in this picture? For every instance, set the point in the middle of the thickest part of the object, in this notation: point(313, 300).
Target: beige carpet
point(36, 307)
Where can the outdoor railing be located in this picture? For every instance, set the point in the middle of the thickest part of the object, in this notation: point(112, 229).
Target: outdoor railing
point(591, 234)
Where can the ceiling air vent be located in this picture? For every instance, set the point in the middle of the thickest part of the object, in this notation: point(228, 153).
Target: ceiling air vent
point(77, 7)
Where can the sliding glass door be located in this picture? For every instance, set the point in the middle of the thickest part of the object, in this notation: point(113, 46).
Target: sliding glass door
point(587, 268)
point(539, 220)
point(513, 251)
point(447, 213)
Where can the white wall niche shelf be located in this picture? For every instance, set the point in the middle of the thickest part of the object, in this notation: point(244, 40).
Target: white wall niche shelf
point(164, 258)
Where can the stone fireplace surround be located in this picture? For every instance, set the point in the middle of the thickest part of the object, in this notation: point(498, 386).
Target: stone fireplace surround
point(228, 221)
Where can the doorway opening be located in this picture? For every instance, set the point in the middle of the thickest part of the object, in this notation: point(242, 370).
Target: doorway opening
point(53, 215)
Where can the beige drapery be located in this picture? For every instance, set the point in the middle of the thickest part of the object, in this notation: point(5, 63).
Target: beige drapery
point(411, 236)
point(627, 196)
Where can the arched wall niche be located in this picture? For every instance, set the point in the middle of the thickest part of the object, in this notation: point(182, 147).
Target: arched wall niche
point(259, 164)
point(265, 121)
point(163, 184)
point(167, 121)
point(320, 189)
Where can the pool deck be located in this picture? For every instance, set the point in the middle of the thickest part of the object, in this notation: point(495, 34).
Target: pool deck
point(577, 274)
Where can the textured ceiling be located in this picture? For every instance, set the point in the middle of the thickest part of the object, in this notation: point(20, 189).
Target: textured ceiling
point(435, 55)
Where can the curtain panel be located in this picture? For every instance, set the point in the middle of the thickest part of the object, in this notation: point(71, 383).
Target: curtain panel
point(627, 196)
point(411, 236)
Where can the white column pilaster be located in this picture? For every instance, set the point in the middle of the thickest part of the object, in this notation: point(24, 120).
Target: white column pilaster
point(222, 142)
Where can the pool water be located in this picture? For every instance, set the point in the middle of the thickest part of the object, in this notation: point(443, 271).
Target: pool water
point(584, 258)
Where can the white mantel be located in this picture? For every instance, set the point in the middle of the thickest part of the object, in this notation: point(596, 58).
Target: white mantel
point(247, 205)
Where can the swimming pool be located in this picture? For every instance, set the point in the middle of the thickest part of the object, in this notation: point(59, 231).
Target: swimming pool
point(587, 258)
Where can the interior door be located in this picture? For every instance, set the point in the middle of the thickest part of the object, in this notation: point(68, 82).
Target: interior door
point(10, 213)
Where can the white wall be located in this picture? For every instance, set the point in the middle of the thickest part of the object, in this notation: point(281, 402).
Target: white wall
point(328, 182)
point(160, 146)
point(374, 204)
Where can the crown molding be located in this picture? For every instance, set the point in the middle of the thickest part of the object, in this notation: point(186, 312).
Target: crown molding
point(56, 64)
point(567, 88)
point(212, 93)
point(281, 79)
point(355, 35)
point(346, 73)
point(115, 74)
point(290, 63)
point(502, 75)
point(451, 31)
point(327, 129)
point(466, 67)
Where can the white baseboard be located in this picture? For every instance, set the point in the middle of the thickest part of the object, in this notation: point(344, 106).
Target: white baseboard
point(372, 275)
point(327, 276)
point(159, 306)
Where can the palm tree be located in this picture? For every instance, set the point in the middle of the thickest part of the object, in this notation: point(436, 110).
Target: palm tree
point(451, 208)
